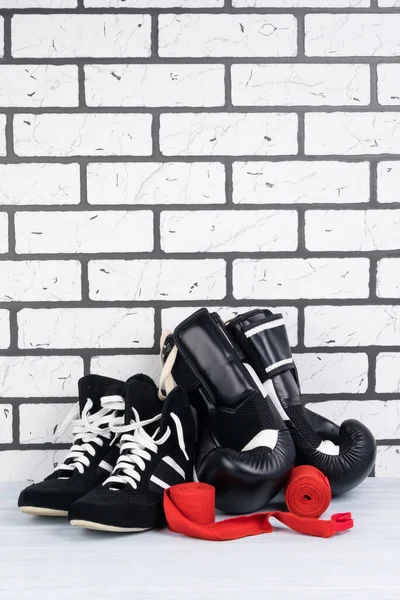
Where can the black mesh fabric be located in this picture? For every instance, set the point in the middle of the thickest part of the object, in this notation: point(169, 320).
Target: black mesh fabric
point(234, 428)
point(296, 415)
point(127, 495)
point(59, 494)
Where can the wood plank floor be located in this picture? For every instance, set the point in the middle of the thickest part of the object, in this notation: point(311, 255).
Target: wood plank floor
point(46, 559)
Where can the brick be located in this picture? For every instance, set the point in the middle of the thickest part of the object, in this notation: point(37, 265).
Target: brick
point(352, 326)
point(171, 317)
point(228, 134)
point(227, 35)
point(388, 278)
point(29, 465)
point(157, 279)
point(123, 366)
point(86, 328)
point(154, 3)
point(154, 85)
point(389, 3)
point(39, 422)
point(300, 182)
point(110, 36)
point(51, 4)
point(381, 418)
point(352, 133)
point(3, 233)
point(82, 134)
point(156, 183)
point(88, 231)
point(352, 35)
point(33, 280)
point(388, 84)
point(38, 85)
point(2, 129)
point(1, 36)
point(388, 181)
point(301, 3)
point(353, 230)
point(332, 373)
point(6, 417)
point(4, 328)
point(39, 184)
point(228, 231)
point(300, 85)
point(387, 461)
point(294, 278)
point(388, 372)
point(40, 376)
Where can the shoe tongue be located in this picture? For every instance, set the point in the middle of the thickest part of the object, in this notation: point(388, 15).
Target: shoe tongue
point(96, 387)
point(142, 395)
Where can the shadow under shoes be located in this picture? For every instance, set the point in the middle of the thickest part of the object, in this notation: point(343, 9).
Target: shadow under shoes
point(156, 450)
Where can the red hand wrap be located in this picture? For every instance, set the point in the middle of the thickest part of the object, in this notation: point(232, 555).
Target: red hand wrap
point(308, 493)
point(190, 510)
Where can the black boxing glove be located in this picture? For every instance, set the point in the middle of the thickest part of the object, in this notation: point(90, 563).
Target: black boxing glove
point(244, 449)
point(345, 454)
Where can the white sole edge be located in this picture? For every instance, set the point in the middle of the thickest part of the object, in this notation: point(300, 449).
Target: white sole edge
point(43, 512)
point(102, 527)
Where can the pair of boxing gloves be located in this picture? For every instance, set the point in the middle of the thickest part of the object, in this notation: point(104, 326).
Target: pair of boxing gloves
point(252, 426)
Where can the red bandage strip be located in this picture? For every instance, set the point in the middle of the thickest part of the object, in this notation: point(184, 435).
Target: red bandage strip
point(308, 493)
point(190, 510)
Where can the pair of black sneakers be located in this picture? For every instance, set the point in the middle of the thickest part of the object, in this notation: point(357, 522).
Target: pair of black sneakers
point(129, 446)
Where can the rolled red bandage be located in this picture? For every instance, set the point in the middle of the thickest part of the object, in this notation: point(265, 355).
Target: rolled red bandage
point(190, 510)
point(308, 493)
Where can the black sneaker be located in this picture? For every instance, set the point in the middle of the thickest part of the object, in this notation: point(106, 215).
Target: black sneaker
point(91, 457)
point(156, 451)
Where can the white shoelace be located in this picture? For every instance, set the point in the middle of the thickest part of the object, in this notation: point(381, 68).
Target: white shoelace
point(136, 449)
point(90, 430)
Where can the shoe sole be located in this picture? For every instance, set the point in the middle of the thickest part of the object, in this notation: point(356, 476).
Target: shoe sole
point(43, 512)
point(103, 527)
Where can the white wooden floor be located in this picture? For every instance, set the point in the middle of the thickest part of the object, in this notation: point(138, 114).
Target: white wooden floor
point(46, 559)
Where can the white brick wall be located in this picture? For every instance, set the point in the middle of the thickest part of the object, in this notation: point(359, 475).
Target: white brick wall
point(300, 278)
point(388, 278)
point(352, 35)
point(6, 415)
point(46, 184)
point(157, 156)
point(388, 372)
point(154, 85)
point(4, 329)
point(353, 230)
point(352, 133)
point(39, 376)
point(90, 134)
point(227, 35)
point(156, 183)
point(39, 422)
point(229, 231)
point(34, 280)
point(388, 181)
point(157, 279)
point(38, 85)
point(89, 231)
point(80, 35)
point(352, 325)
point(86, 328)
point(3, 233)
point(300, 182)
point(233, 134)
point(2, 127)
point(291, 85)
